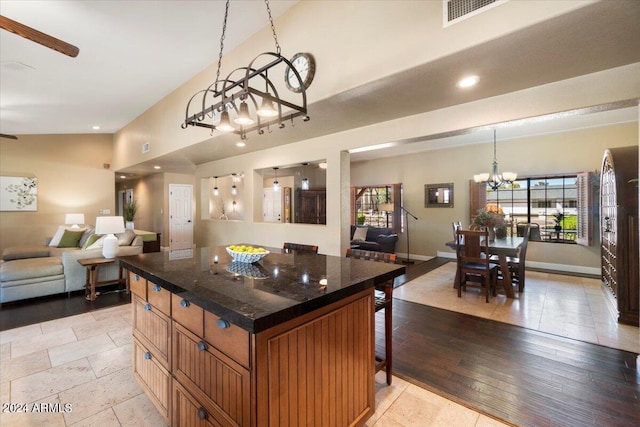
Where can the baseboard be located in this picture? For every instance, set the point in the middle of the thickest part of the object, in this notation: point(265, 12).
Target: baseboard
point(403, 256)
point(547, 266)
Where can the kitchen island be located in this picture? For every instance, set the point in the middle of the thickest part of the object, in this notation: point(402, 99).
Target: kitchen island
point(288, 340)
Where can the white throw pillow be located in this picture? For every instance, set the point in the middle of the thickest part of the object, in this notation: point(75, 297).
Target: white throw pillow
point(360, 233)
point(55, 240)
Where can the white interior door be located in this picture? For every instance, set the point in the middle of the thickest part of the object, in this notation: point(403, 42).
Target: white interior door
point(180, 216)
point(271, 205)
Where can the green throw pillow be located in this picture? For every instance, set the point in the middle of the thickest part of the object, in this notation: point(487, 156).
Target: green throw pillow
point(91, 240)
point(70, 239)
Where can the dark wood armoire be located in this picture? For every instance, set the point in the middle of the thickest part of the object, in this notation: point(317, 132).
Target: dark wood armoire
point(311, 206)
point(619, 231)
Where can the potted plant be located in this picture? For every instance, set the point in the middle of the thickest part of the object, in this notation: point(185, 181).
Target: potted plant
point(129, 211)
point(558, 217)
point(487, 219)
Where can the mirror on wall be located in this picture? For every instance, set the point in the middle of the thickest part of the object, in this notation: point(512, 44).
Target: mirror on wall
point(438, 195)
point(294, 193)
point(223, 196)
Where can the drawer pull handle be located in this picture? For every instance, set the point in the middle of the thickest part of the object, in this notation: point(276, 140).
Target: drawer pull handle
point(184, 303)
point(202, 346)
point(136, 278)
point(147, 307)
point(202, 413)
point(156, 288)
point(147, 355)
point(223, 324)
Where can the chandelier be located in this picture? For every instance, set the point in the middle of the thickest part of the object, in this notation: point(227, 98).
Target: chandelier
point(494, 180)
point(249, 95)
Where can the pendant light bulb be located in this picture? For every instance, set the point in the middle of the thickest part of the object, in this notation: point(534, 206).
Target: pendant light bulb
point(243, 115)
point(225, 125)
point(276, 184)
point(267, 109)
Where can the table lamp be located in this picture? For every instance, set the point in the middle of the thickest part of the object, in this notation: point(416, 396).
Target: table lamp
point(109, 225)
point(74, 218)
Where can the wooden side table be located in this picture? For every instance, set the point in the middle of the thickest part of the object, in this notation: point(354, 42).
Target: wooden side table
point(92, 265)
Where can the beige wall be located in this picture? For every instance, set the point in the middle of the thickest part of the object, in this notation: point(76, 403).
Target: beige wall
point(71, 178)
point(577, 151)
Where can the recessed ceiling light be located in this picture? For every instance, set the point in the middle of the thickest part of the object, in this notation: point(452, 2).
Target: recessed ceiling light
point(96, 128)
point(468, 81)
point(240, 144)
point(157, 167)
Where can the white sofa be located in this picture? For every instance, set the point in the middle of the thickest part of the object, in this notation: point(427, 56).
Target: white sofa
point(36, 270)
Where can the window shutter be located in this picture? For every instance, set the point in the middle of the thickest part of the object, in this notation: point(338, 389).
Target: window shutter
point(587, 208)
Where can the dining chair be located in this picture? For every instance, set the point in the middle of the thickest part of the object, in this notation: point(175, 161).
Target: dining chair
point(288, 246)
point(534, 230)
point(456, 225)
point(473, 262)
point(383, 300)
point(517, 264)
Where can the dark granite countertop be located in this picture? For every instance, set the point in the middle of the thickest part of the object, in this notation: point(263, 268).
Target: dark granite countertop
point(281, 287)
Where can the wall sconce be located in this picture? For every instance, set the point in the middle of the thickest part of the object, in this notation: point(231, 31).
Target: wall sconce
point(215, 189)
point(234, 204)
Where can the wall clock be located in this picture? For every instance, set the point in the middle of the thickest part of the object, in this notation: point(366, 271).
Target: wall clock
point(306, 67)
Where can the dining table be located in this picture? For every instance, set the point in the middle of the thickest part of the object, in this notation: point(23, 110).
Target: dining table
point(502, 248)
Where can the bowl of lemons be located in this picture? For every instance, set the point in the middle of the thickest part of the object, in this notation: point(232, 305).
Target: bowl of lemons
point(246, 253)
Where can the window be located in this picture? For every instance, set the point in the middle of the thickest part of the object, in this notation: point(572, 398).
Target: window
point(550, 202)
point(378, 206)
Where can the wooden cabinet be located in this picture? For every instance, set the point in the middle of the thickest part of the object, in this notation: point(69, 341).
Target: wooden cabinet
point(619, 231)
point(216, 381)
point(311, 206)
point(200, 370)
point(154, 379)
point(153, 328)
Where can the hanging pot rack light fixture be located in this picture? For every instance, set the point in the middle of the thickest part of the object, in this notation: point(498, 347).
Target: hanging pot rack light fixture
point(250, 89)
point(494, 180)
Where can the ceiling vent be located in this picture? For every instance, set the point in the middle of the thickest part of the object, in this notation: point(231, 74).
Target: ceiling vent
point(458, 10)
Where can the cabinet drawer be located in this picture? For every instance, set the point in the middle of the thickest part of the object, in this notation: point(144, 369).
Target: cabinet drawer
point(153, 328)
point(152, 377)
point(214, 379)
point(228, 338)
point(159, 297)
point(187, 314)
point(138, 285)
point(188, 412)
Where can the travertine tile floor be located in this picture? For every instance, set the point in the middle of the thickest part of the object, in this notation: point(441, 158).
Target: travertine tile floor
point(83, 364)
point(569, 306)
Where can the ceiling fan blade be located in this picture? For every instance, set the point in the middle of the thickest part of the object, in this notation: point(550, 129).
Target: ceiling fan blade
point(38, 37)
point(2, 135)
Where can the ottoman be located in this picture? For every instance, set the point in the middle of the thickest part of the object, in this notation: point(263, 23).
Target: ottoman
point(30, 277)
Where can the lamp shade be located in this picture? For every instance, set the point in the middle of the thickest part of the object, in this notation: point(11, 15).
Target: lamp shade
point(75, 219)
point(387, 207)
point(109, 225)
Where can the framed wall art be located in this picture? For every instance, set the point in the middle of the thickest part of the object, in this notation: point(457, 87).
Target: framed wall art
point(438, 195)
point(18, 193)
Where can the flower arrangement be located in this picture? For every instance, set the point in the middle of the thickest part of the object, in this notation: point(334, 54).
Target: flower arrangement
point(486, 218)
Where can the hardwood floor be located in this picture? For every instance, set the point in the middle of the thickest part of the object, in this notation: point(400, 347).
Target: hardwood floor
point(519, 375)
point(28, 312)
